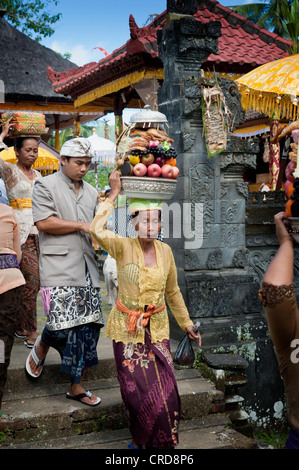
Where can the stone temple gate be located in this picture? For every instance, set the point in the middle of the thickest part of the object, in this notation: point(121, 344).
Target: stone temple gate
point(220, 277)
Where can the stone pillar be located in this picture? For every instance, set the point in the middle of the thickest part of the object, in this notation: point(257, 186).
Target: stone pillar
point(211, 270)
point(218, 278)
point(183, 44)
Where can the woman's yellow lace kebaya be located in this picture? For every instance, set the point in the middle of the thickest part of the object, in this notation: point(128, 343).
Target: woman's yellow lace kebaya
point(138, 285)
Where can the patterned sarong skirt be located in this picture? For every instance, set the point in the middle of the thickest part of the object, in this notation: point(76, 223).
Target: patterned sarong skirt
point(30, 270)
point(149, 392)
point(73, 327)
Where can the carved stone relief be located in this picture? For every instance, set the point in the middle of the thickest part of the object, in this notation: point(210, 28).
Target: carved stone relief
point(191, 260)
point(201, 177)
point(261, 239)
point(230, 211)
point(259, 260)
point(181, 6)
point(242, 189)
point(234, 165)
point(229, 235)
point(241, 258)
point(232, 100)
point(215, 260)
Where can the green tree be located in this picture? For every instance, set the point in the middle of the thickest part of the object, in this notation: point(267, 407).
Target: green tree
point(291, 24)
point(34, 18)
point(268, 15)
point(67, 133)
point(65, 55)
point(103, 175)
point(64, 135)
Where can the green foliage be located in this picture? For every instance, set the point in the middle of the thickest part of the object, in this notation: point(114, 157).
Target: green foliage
point(268, 15)
point(274, 439)
point(290, 23)
point(103, 173)
point(63, 137)
point(66, 55)
point(66, 134)
point(252, 11)
point(34, 18)
point(86, 131)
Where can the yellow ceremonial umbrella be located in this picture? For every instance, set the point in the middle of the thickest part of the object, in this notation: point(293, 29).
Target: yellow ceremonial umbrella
point(46, 162)
point(273, 89)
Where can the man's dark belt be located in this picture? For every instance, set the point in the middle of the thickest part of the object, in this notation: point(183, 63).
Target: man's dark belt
point(8, 261)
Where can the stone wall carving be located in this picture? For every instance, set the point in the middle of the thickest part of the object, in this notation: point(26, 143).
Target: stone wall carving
point(241, 258)
point(221, 296)
point(232, 100)
point(215, 260)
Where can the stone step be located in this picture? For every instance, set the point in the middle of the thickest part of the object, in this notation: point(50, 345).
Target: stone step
point(210, 432)
point(18, 379)
point(233, 402)
point(37, 415)
point(236, 381)
point(44, 412)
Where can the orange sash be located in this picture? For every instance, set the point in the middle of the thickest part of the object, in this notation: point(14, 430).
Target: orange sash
point(138, 319)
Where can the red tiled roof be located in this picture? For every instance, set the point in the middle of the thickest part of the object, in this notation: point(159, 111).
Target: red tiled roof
point(242, 43)
point(242, 46)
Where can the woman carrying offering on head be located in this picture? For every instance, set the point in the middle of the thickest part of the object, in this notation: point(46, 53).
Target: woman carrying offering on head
point(19, 180)
point(138, 323)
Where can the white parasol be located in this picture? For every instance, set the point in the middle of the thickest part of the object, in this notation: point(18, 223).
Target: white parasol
point(103, 153)
point(103, 149)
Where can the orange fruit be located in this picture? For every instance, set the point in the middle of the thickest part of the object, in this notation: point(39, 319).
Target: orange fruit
point(171, 161)
point(290, 190)
point(288, 208)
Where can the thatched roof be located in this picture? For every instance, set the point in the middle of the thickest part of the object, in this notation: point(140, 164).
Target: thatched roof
point(24, 64)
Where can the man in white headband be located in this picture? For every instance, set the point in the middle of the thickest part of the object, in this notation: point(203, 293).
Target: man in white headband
point(63, 206)
point(79, 147)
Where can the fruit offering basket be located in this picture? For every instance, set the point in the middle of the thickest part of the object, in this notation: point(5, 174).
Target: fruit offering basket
point(146, 157)
point(24, 124)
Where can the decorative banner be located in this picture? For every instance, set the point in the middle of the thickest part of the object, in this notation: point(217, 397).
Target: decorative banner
point(103, 50)
point(274, 160)
point(214, 125)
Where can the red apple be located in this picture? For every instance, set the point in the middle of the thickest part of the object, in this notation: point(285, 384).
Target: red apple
point(154, 170)
point(160, 161)
point(140, 169)
point(175, 172)
point(166, 171)
point(148, 159)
